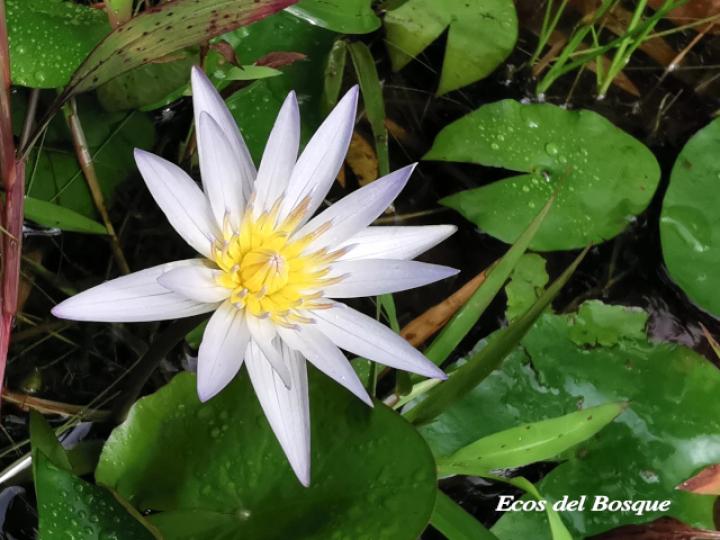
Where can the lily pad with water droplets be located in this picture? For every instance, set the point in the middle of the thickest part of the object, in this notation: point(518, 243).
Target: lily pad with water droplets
point(50, 38)
point(215, 470)
point(690, 221)
point(481, 36)
point(604, 177)
point(668, 432)
point(343, 16)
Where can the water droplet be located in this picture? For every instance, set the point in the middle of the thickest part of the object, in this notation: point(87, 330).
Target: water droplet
point(551, 149)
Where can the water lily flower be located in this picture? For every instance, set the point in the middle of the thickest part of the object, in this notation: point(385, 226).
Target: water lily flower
point(270, 271)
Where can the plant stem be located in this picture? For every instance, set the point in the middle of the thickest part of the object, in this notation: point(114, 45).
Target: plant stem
point(88, 168)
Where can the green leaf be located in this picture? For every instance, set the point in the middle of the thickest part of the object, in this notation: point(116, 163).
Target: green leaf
point(52, 215)
point(690, 222)
point(333, 75)
point(482, 35)
point(482, 364)
point(342, 16)
point(215, 470)
point(668, 432)
point(601, 324)
point(43, 439)
point(558, 150)
point(165, 29)
point(146, 85)
point(469, 314)
point(50, 38)
point(256, 106)
point(70, 507)
point(455, 523)
point(528, 443)
point(526, 285)
point(54, 174)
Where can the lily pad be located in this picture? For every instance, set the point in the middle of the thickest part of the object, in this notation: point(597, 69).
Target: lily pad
point(690, 222)
point(481, 36)
point(668, 432)
point(215, 470)
point(343, 16)
point(50, 38)
point(558, 150)
point(255, 107)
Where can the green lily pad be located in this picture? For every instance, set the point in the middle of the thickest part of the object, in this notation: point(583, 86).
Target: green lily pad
point(215, 470)
point(50, 38)
point(559, 150)
point(690, 222)
point(54, 174)
point(668, 432)
point(255, 107)
point(482, 35)
point(342, 16)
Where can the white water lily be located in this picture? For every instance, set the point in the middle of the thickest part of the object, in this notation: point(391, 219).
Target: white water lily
point(269, 272)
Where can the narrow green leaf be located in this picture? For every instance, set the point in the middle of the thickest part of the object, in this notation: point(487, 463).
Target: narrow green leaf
point(557, 527)
point(455, 523)
point(333, 76)
point(469, 314)
point(51, 215)
point(43, 439)
point(528, 443)
point(343, 16)
point(373, 99)
point(481, 364)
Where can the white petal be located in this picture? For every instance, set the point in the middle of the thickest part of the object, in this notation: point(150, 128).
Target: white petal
point(325, 356)
point(263, 335)
point(356, 211)
point(197, 282)
point(287, 409)
point(182, 201)
point(366, 337)
point(132, 298)
point(320, 161)
point(371, 277)
point(207, 99)
point(222, 350)
point(279, 156)
point(395, 242)
point(222, 172)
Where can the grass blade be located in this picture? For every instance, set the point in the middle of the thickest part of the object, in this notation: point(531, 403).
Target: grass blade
point(455, 523)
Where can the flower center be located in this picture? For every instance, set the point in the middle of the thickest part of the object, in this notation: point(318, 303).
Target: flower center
point(268, 271)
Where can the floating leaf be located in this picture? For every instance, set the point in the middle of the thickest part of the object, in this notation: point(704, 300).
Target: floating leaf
point(52, 215)
point(559, 150)
point(342, 16)
point(690, 222)
point(482, 35)
point(526, 444)
point(526, 284)
point(50, 38)
point(215, 470)
point(600, 324)
point(643, 454)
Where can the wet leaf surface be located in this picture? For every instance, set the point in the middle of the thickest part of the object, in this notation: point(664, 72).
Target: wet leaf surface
point(558, 150)
point(644, 454)
point(690, 221)
point(373, 475)
point(342, 16)
point(481, 36)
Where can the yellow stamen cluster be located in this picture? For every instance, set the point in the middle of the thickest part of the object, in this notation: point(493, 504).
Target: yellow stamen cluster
point(268, 271)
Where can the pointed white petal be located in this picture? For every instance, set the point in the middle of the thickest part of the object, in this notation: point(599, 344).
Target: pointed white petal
point(371, 277)
point(320, 161)
point(287, 409)
point(133, 298)
point(356, 211)
point(184, 204)
point(222, 350)
point(207, 99)
point(264, 336)
point(395, 242)
point(222, 172)
point(325, 356)
point(366, 337)
point(279, 156)
point(197, 282)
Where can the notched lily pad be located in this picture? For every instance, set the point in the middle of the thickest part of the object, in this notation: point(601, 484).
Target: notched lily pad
point(556, 149)
point(215, 470)
point(690, 221)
